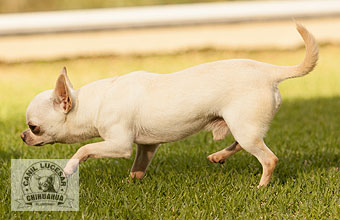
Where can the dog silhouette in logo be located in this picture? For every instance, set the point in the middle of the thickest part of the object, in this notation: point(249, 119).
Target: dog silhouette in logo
point(46, 183)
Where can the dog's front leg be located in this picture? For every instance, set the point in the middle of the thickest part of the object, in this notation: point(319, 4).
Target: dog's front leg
point(109, 148)
point(143, 158)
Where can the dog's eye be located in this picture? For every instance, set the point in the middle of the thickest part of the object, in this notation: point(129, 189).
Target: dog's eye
point(35, 129)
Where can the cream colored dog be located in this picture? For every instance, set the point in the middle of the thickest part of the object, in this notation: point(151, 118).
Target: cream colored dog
point(238, 96)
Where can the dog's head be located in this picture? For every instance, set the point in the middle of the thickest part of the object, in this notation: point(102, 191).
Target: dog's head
point(46, 114)
point(46, 183)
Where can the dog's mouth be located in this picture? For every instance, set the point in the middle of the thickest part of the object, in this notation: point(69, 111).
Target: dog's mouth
point(39, 144)
point(43, 143)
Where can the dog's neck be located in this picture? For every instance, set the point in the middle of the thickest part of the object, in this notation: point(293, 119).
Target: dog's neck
point(80, 121)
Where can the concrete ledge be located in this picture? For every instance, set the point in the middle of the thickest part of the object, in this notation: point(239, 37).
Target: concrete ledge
point(161, 16)
point(243, 36)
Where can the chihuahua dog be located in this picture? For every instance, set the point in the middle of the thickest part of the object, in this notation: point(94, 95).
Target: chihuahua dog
point(237, 96)
point(46, 183)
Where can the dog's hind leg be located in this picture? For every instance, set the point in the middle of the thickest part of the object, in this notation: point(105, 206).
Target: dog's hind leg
point(248, 125)
point(220, 130)
point(221, 156)
point(252, 142)
point(143, 158)
point(266, 157)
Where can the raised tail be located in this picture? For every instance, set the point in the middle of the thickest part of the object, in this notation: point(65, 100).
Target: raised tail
point(309, 62)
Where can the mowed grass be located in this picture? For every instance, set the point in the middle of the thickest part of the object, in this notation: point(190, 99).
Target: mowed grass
point(181, 183)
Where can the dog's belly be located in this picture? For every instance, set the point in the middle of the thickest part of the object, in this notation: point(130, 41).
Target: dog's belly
point(169, 132)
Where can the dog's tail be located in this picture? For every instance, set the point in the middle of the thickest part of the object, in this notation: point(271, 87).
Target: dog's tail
point(309, 62)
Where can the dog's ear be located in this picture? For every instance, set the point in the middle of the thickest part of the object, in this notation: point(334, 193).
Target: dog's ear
point(68, 82)
point(36, 177)
point(51, 178)
point(63, 92)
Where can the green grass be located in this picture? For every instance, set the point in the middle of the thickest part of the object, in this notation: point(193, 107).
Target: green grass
point(10, 6)
point(181, 183)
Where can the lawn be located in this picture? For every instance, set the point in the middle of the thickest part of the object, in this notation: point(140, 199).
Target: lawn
point(181, 183)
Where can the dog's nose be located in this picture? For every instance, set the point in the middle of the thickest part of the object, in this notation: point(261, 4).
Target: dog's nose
point(23, 136)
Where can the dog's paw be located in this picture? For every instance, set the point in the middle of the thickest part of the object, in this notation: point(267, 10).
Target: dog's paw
point(216, 158)
point(71, 167)
point(137, 175)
